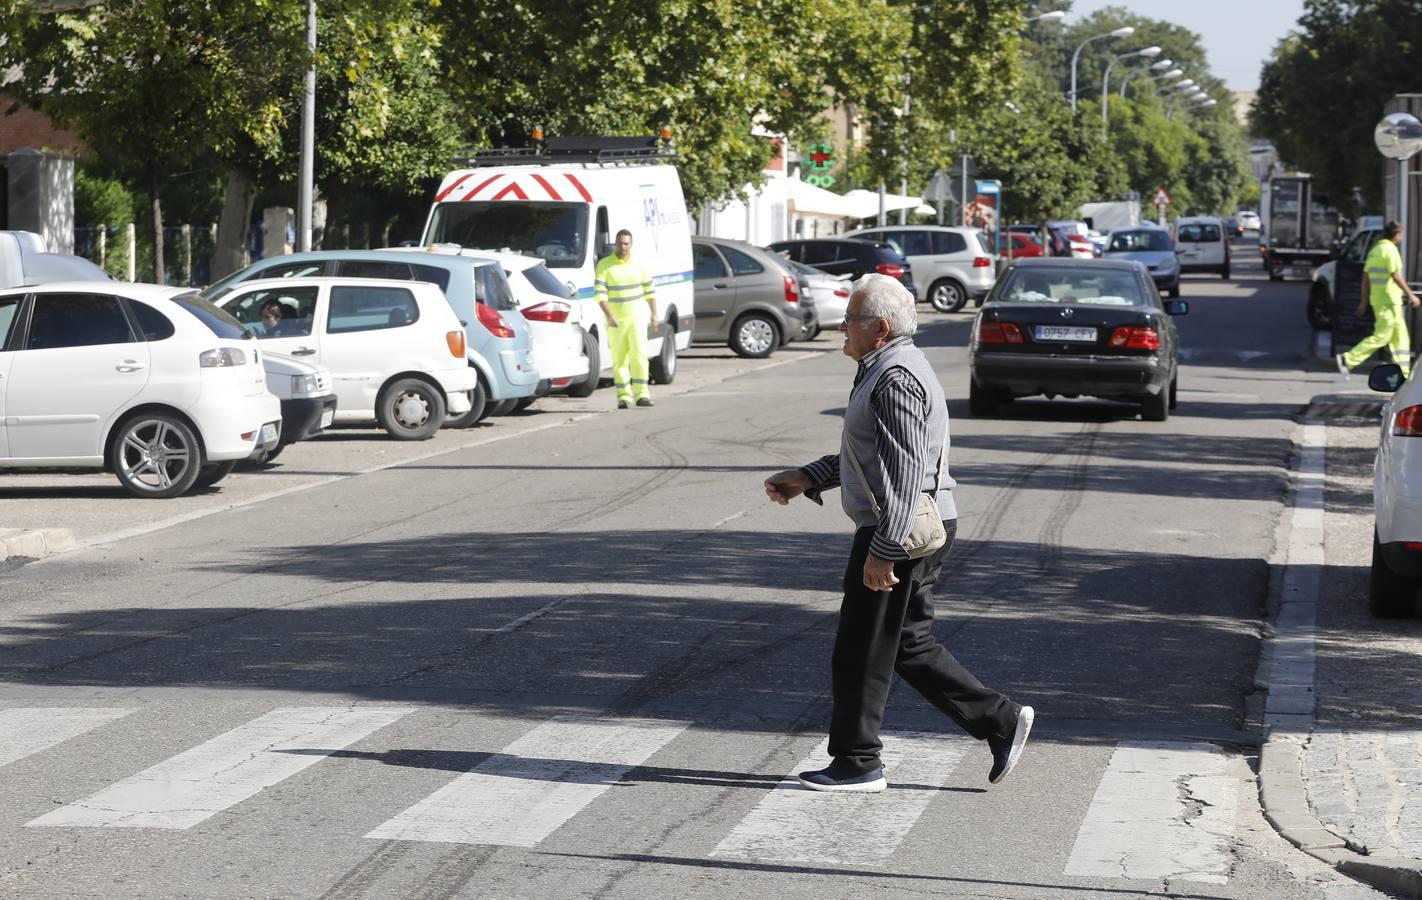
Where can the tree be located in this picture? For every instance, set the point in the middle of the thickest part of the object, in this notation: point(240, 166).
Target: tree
point(1324, 89)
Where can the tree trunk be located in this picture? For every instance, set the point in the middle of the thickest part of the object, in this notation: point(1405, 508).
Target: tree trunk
point(157, 225)
point(230, 254)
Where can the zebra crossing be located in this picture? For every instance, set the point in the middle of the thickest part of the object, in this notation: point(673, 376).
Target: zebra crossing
point(1159, 810)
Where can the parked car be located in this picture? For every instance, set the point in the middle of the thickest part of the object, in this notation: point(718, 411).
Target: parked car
point(1078, 235)
point(1249, 219)
point(830, 293)
point(395, 350)
point(849, 256)
point(1057, 243)
point(499, 344)
point(307, 395)
point(952, 264)
point(1098, 239)
point(746, 297)
point(1018, 245)
point(1202, 244)
point(24, 259)
point(150, 383)
point(562, 350)
point(1151, 246)
point(1396, 571)
point(1072, 327)
point(1345, 269)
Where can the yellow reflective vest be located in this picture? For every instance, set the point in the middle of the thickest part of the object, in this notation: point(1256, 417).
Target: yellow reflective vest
point(1383, 260)
point(619, 281)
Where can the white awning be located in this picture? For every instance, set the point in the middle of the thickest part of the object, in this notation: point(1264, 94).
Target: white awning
point(865, 204)
point(808, 200)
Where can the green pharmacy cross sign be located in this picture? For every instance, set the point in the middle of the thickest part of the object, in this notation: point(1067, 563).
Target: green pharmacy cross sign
point(819, 159)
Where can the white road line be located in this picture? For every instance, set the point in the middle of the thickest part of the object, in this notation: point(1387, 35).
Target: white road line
point(126, 533)
point(1163, 810)
point(27, 731)
point(518, 797)
point(197, 784)
point(792, 824)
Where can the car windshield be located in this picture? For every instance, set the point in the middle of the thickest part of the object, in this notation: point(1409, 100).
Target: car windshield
point(218, 321)
point(1130, 241)
point(554, 232)
point(1084, 285)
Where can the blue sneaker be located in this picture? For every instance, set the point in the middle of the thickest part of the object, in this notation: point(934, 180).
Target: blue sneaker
point(835, 778)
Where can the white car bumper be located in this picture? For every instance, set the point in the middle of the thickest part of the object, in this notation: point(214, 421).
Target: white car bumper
point(234, 428)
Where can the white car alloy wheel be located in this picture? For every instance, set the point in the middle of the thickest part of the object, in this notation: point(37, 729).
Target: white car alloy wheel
point(156, 456)
point(947, 296)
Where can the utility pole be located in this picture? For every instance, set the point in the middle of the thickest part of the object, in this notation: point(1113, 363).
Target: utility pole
point(308, 138)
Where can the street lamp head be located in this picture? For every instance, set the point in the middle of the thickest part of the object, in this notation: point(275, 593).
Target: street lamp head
point(1149, 52)
point(1208, 103)
point(1172, 74)
point(1054, 16)
point(1124, 31)
point(1161, 65)
point(1189, 82)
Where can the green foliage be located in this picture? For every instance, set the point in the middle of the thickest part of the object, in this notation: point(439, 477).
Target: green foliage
point(1323, 91)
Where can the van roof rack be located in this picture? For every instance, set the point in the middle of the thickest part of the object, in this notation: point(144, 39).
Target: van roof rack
point(589, 149)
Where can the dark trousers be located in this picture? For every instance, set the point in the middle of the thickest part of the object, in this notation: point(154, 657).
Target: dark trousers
point(883, 632)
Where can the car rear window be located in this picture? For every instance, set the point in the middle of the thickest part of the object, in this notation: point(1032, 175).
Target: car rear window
point(545, 281)
point(1128, 241)
point(1199, 233)
point(985, 243)
point(218, 321)
point(1041, 284)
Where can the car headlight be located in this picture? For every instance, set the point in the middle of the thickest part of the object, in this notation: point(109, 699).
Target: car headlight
point(305, 384)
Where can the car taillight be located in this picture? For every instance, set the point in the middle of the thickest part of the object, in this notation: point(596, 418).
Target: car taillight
point(982, 262)
point(890, 270)
point(221, 358)
point(1408, 422)
point(550, 311)
point(999, 333)
point(1135, 337)
point(490, 319)
point(841, 292)
point(455, 340)
point(792, 289)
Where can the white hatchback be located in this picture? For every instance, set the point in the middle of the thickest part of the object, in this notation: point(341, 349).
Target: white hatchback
point(395, 348)
point(151, 383)
point(1397, 496)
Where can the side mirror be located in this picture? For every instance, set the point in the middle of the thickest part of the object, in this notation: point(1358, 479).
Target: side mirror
point(1386, 378)
point(1176, 307)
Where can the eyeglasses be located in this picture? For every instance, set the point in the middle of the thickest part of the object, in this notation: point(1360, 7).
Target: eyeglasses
point(859, 318)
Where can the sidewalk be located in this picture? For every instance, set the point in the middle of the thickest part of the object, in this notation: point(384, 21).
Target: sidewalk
point(1341, 773)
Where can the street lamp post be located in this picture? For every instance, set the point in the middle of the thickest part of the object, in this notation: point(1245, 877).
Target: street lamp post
point(1148, 52)
point(308, 138)
point(1159, 66)
point(1124, 31)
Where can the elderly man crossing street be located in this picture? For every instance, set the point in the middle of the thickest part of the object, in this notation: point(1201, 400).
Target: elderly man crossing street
point(893, 477)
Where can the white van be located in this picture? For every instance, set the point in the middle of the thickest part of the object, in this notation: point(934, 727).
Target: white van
point(1203, 244)
point(563, 203)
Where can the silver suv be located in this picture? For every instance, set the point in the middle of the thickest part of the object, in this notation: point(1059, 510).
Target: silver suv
point(950, 264)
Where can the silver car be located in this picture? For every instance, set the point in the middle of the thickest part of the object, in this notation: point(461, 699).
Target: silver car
point(951, 265)
point(830, 293)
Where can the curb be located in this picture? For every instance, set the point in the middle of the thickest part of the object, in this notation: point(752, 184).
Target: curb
point(1286, 671)
point(35, 543)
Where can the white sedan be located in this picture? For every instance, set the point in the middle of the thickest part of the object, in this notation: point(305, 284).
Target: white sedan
point(1397, 496)
point(152, 383)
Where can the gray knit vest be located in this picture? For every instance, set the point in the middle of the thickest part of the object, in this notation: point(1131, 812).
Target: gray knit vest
point(862, 429)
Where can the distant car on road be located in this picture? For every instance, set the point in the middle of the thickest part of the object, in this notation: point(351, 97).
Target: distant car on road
point(746, 297)
point(1249, 219)
point(1151, 246)
point(1075, 327)
point(1202, 244)
point(395, 348)
point(1396, 573)
point(150, 383)
point(1017, 245)
point(951, 265)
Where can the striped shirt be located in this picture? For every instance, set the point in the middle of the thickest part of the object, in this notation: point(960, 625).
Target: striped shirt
point(900, 406)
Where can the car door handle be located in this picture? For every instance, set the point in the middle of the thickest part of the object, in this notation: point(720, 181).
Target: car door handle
point(303, 351)
point(719, 287)
point(130, 365)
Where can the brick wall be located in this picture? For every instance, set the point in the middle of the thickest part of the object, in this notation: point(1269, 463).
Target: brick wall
point(29, 128)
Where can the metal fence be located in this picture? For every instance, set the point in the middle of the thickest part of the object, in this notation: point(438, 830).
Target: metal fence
point(123, 252)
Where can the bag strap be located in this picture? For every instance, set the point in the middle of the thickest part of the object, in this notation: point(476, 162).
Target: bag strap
point(859, 470)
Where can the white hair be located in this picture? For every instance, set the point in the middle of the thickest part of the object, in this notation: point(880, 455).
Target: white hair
point(887, 298)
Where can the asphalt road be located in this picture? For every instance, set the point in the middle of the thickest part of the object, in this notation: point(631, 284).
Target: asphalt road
point(577, 652)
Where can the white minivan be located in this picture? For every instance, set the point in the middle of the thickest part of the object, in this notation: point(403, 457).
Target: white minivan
point(151, 383)
point(1202, 244)
point(564, 203)
point(395, 348)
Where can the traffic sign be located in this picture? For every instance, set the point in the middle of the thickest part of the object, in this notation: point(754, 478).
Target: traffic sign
point(1161, 197)
point(938, 187)
point(963, 167)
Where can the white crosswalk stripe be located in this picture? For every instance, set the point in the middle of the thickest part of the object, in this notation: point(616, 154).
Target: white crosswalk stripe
point(199, 783)
point(518, 797)
point(24, 732)
point(791, 824)
point(1162, 810)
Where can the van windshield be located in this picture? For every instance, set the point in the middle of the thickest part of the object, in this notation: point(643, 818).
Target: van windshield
point(554, 232)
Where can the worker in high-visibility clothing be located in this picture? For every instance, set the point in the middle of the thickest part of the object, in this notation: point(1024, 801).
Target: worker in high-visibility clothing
point(624, 290)
point(1383, 287)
